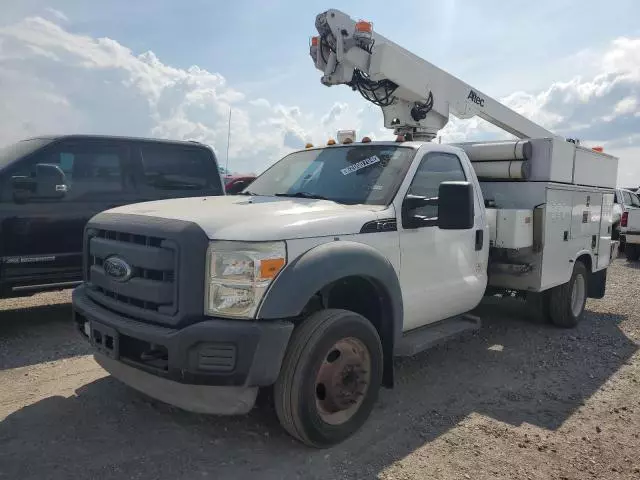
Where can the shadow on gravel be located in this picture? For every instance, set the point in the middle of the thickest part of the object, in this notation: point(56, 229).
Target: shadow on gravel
point(632, 265)
point(33, 335)
point(512, 370)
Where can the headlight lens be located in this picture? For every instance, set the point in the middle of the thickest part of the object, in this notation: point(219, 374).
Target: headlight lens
point(238, 274)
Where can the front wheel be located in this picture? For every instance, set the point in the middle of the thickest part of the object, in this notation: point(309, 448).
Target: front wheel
point(330, 378)
point(566, 306)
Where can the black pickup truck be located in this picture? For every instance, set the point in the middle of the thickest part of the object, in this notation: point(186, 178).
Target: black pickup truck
point(51, 186)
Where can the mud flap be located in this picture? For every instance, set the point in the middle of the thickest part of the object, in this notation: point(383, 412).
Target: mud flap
point(597, 284)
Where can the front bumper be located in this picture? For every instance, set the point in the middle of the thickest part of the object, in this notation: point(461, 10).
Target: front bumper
point(193, 398)
point(212, 352)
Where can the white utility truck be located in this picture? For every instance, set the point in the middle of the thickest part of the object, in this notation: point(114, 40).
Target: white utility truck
point(339, 257)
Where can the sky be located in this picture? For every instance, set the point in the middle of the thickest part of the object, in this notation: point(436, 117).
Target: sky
point(173, 69)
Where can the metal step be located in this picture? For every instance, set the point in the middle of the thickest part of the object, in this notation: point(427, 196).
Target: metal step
point(420, 339)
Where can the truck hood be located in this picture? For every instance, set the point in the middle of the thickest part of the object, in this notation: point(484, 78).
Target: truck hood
point(260, 218)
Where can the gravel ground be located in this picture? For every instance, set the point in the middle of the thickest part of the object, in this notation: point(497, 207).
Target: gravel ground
point(515, 400)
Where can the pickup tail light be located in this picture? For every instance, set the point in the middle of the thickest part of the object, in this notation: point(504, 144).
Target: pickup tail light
point(624, 219)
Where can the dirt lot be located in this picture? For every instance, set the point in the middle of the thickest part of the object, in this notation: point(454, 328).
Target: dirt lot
point(516, 400)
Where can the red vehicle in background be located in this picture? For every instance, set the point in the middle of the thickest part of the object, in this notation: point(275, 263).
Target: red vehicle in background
point(234, 184)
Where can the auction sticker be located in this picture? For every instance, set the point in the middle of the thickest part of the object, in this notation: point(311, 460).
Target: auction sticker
point(360, 165)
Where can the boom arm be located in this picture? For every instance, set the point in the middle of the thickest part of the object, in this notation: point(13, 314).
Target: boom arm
point(416, 97)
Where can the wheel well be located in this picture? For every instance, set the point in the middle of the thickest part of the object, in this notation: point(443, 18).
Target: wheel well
point(366, 297)
point(586, 260)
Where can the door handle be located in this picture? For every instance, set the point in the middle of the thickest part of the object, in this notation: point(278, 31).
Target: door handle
point(479, 239)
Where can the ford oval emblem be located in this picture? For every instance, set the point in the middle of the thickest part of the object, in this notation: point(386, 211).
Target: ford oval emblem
point(117, 269)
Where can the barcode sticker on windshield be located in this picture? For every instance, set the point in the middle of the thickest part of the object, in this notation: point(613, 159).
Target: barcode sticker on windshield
point(360, 165)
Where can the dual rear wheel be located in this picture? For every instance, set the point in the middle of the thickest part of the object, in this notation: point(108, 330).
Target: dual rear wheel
point(563, 305)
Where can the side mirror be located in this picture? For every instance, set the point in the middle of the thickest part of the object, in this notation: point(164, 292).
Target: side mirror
point(455, 206)
point(48, 183)
point(51, 181)
point(409, 205)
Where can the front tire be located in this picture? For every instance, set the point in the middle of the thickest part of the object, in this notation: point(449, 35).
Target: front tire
point(566, 306)
point(330, 378)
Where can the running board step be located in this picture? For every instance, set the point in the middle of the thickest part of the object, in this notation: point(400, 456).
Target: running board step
point(420, 339)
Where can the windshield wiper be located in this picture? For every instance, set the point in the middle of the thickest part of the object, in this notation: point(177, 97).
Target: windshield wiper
point(301, 195)
point(247, 193)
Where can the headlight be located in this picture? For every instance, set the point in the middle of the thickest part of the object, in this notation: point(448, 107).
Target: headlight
point(238, 274)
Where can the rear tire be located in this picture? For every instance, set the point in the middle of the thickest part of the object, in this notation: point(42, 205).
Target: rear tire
point(330, 378)
point(566, 302)
point(632, 252)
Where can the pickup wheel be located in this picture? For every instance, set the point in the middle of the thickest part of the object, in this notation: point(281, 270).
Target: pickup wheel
point(330, 377)
point(566, 302)
point(632, 251)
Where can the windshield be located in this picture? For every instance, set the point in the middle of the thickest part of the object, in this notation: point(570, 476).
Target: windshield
point(357, 174)
point(15, 151)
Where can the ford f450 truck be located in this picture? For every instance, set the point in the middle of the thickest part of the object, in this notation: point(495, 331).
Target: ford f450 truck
point(338, 258)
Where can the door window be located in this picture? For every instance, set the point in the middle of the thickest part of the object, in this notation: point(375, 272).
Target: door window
point(435, 168)
point(89, 168)
point(171, 167)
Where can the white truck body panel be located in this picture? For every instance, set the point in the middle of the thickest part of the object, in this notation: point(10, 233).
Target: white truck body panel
point(510, 228)
point(568, 222)
point(545, 159)
point(606, 230)
point(594, 168)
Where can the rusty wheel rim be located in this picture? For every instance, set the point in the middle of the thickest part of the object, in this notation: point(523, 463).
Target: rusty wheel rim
point(343, 380)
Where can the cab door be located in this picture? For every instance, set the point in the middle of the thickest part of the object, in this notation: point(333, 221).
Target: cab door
point(441, 271)
point(43, 237)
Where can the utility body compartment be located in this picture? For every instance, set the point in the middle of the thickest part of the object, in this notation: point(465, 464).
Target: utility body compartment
point(567, 221)
point(542, 160)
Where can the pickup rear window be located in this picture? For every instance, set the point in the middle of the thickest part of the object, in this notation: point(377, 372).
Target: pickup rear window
point(351, 174)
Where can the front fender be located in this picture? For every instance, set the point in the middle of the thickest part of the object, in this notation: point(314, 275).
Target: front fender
point(305, 276)
point(310, 272)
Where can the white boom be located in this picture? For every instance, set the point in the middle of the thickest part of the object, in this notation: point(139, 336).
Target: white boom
point(416, 97)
